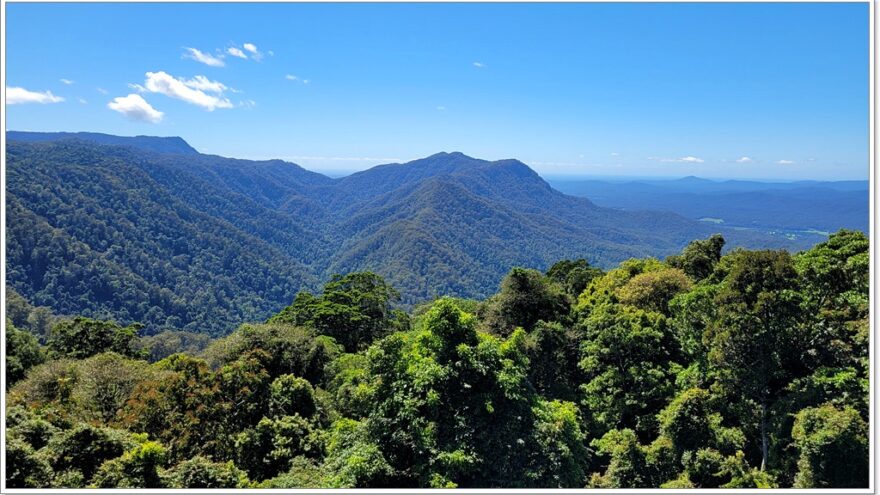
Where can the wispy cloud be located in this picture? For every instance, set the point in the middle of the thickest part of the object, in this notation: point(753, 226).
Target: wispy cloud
point(291, 77)
point(744, 159)
point(83, 101)
point(247, 103)
point(441, 108)
point(684, 159)
point(204, 84)
point(205, 58)
point(615, 154)
point(67, 81)
point(785, 162)
point(102, 91)
point(16, 96)
point(479, 65)
point(236, 52)
point(134, 107)
point(187, 90)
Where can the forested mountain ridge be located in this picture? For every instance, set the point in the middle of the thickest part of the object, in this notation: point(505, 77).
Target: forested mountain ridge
point(202, 243)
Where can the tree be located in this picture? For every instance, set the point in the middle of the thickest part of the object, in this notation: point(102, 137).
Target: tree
point(291, 395)
point(354, 309)
point(833, 447)
point(698, 259)
point(137, 468)
point(525, 298)
point(756, 341)
point(573, 275)
point(83, 337)
point(23, 352)
point(201, 472)
point(653, 290)
point(24, 468)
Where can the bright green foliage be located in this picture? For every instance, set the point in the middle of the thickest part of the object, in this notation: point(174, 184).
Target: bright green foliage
point(833, 448)
point(137, 468)
point(83, 337)
point(350, 385)
point(200, 472)
point(653, 290)
point(525, 298)
point(355, 309)
point(628, 465)
point(23, 352)
point(267, 449)
point(561, 456)
point(699, 258)
point(354, 459)
point(626, 357)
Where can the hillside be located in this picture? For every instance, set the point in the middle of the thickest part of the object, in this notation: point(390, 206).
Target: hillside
point(201, 243)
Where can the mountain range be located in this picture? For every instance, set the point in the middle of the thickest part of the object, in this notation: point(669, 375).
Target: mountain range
point(147, 229)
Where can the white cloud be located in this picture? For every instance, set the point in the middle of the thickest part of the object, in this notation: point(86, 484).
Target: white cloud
point(204, 58)
point(66, 81)
point(247, 104)
point(168, 85)
point(83, 101)
point(479, 65)
point(744, 159)
point(16, 95)
point(236, 52)
point(305, 81)
point(102, 91)
point(134, 107)
point(785, 162)
point(615, 154)
point(137, 87)
point(252, 49)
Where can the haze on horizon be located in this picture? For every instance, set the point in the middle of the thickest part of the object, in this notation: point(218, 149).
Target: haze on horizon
point(758, 91)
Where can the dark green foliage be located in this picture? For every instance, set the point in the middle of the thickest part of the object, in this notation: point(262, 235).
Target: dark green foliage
point(699, 258)
point(169, 342)
point(200, 472)
point(573, 275)
point(525, 298)
point(24, 468)
point(23, 352)
point(354, 309)
point(85, 447)
point(268, 448)
point(833, 447)
point(290, 395)
point(83, 337)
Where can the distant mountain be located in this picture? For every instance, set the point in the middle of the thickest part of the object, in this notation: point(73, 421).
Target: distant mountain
point(148, 143)
point(790, 207)
point(177, 239)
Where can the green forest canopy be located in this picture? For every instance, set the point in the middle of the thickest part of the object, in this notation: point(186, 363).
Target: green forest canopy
point(743, 370)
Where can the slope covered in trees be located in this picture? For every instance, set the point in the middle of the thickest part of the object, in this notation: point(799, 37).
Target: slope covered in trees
point(147, 230)
point(744, 370)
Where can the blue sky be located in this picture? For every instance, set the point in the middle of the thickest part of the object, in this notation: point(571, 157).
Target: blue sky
point(714, 90)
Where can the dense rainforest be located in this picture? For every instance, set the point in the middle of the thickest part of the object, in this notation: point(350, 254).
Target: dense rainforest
point(146, 229)
point(744, 369)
